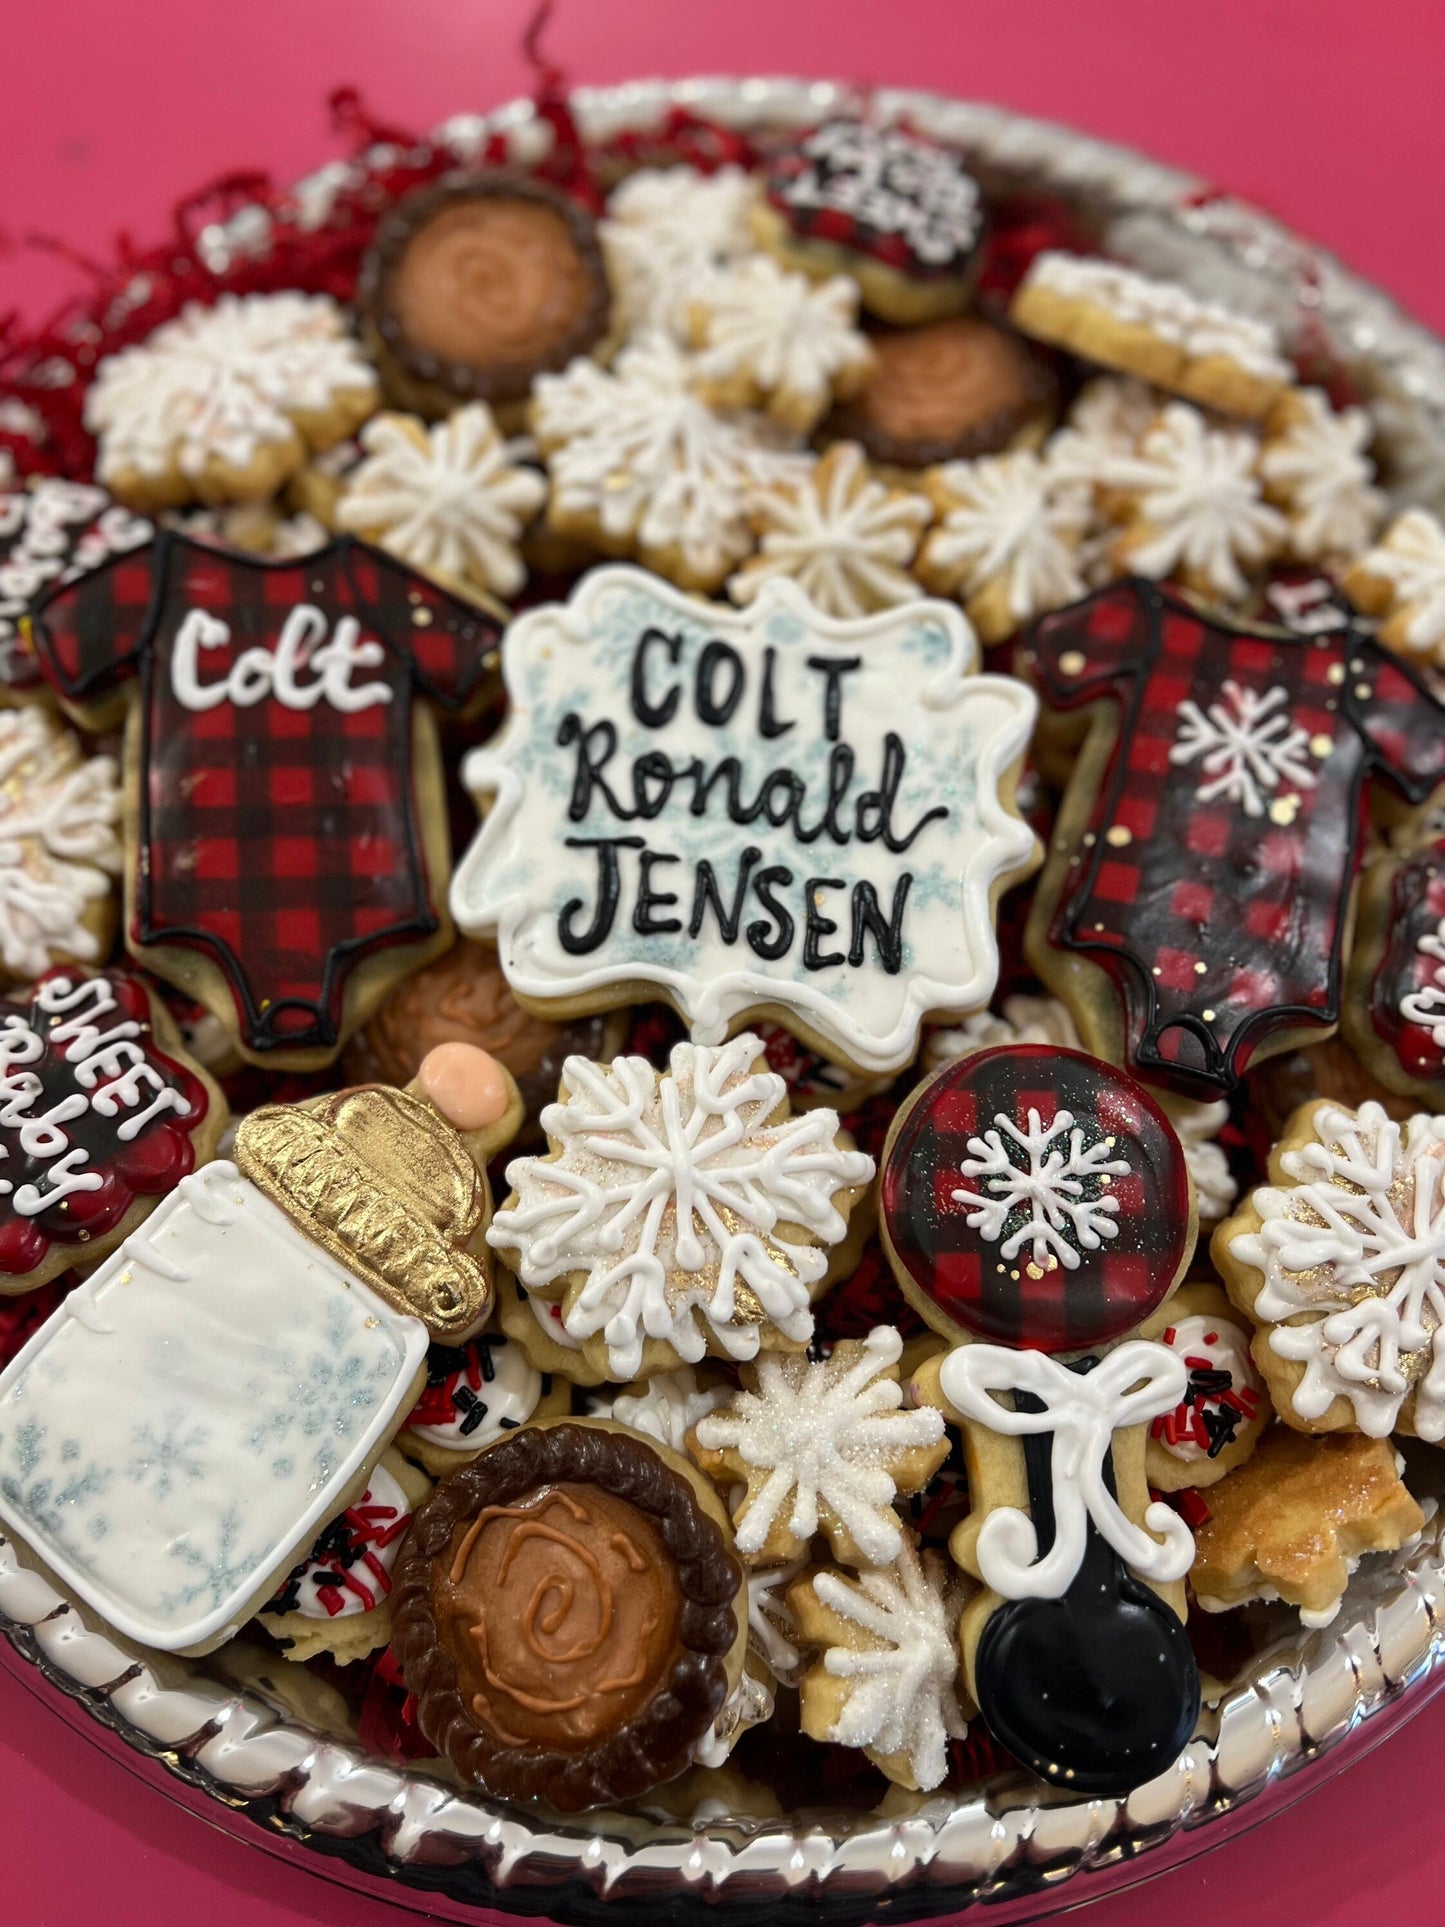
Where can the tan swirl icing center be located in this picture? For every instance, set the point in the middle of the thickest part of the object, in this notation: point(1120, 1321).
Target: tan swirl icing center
point(941, 380)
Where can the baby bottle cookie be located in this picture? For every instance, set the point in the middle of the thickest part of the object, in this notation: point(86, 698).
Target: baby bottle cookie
point(221, 1387)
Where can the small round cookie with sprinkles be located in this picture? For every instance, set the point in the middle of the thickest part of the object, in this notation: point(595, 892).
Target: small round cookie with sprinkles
point(948, 391)
point(475, 1393)
point(1122, 319)
point(477, 284)
point(1226, 1405)
point(899, 213)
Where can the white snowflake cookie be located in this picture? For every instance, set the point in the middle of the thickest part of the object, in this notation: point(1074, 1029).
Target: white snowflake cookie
point(823, 1447)
point(1191, 507)
point(1008, 539)
point(641, 465)
point(448, 500)
point(1316, 467)
point(768, 338)
point(222, 404)
point(666, 228)
point(1340, 1261)
point(681, 1212)
point(664, 1408)
point(846, 539)
point(59, 849)
point(1402, 581)
point(887, 1675)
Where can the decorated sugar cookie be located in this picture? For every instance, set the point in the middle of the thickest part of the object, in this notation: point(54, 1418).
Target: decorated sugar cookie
point(822, 1446)
point(1295, 1521)
point(569, 1615)
point(1315, 466)
point(50, 532)
point(680, 1213)
point(1007, 541)
point(59, 848)
point(898, 212)
point(1225, 1405)
point(475, 285)
point(101, 1114)
point(476, 1393)
point(1394, 1006)
point(666, 229)
point(222, 404)
point(1034, 1196)
point(1122, 319)
point(285, 818)
point(667, 1406)
point(778, 341)
point(338, 1600)
point(1340, 1261)
point(766, 810)
point(1193, 911)
point(886, 1675)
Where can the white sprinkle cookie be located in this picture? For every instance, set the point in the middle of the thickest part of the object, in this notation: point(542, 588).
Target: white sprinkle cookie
point(760, 813)
point(679, 1213)
point(846, 539)
point(222, 404)
point(476, 1393)
point(1402, 581)
point(778, 341)
point(1155, 329)
point(822, 1447)
point(1008, 539)
point(1225, 1405)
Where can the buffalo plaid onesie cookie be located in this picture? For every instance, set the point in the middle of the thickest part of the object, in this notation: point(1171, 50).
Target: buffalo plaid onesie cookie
point(287, 842)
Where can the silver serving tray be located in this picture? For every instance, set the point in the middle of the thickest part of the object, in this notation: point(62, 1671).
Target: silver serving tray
point(1304, 1706)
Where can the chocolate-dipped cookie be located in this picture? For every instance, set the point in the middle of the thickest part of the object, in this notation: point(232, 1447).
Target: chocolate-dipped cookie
point(946, 392)
point(566, 1614)
point(477, 284)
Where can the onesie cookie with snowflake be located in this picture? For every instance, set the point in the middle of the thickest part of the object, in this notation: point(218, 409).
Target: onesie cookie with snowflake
point(682, 1213)
point(1340, 1262)
point(758, 813)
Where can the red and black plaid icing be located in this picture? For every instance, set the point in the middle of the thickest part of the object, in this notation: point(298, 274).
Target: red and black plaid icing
point(1416, 909)
point(147, 1165)
point(285, 844)
point(882, 192)
point(959, 1274)
point(1218, 927)
point(50, 533)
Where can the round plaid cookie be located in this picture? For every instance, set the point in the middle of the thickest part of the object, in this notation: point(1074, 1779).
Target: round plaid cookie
point(1035, 1197)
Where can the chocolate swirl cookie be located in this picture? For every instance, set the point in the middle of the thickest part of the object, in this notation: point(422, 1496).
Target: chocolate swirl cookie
point(478, 284)
point(565, 1612)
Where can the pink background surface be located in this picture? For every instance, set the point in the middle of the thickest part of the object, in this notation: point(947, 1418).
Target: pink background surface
point(1324, 111)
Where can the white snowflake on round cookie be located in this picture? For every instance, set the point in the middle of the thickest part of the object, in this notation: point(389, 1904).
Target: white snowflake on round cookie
point(641, 465)
point(58, 845)
point(682, 1212)
point(823, 1447)
point(222, 404)
point(1008, 539)
point(1343, 1269)
point(846, 539)
point(667, 227)
point(886, 1679)
point(770, 338)
point(447, 499)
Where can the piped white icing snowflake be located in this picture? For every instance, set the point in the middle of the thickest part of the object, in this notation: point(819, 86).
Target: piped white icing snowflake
point(903, 1668)
point(58, 845)
point(772, 1630)
point(667, 1410)
point(638, 459)
point(1318, 469)
point(1353, 1255)
point(446, 499)
point(217, 384)
point(1426, 1006)
point(1049, 1182)
point(1406, 571)
point(1109, 417)
point(1194, 504)
point(1009, 521)
point(767, 335)
point(1196, 1125)
point(665, 229)
point(1023, 1020)
point(1245, 745)
point(843, 537)
point(662, 1199)
point(822, 1440)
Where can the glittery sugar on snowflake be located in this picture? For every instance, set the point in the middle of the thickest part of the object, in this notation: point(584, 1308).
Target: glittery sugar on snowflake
point(1352, 1255)
point(827, 1445)
point(58, 846)
point(846, 539)
point(217, 386)
point(446, 499)
point(1317, 469)
point(1245, 745)
point(640, 463)
point(777, 339)
point(663, 1206)
point(1046, 1186)
point(665, 229)
point(890, 1641)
